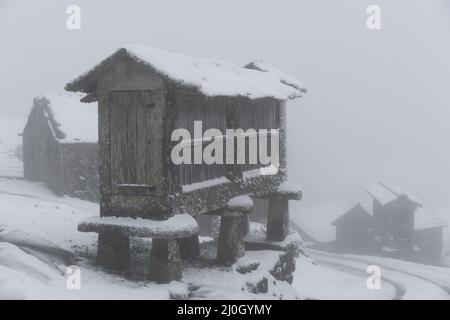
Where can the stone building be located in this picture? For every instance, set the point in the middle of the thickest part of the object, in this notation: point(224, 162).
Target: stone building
point(60, 145)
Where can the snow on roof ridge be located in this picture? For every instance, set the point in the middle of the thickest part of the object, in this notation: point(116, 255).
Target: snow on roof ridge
point(211, 77)
point(286, 79)
point(385, 192)
point(394, 189)
point(381, 193)
point(427, 217)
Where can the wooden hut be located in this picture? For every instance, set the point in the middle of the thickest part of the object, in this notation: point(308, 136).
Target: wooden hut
point(428, 234)
point(354, 231)
point(143, 96)
point(393, 214)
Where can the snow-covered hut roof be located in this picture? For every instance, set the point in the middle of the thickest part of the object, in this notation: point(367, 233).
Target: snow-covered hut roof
point(426, 218)
point(316, 221)
point(385, 192)
point(359, 208)
point(70, 120)
point(211, 77)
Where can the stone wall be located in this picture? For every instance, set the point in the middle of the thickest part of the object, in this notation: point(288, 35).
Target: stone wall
point(80, 170)
point(66, 168)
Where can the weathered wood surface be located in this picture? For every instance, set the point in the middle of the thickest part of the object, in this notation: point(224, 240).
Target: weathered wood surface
point(223, 113)
point(131, 111)
point(129, 151)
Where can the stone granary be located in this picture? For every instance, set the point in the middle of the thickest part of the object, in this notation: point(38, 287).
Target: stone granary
point(60, 145)
point(143, 96)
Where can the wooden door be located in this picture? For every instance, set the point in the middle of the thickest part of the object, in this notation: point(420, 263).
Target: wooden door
point(130, 139)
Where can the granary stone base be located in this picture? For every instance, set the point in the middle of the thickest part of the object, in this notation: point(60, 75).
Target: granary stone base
point(189, 247)
point(231, 239)
point(113, 251)
point(165, 261)
point(278, 218)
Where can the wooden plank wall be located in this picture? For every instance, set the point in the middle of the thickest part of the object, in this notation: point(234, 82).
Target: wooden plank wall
point(255, 114)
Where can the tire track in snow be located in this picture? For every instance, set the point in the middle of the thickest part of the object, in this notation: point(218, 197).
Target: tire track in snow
point(446, 289)
point(399, 288)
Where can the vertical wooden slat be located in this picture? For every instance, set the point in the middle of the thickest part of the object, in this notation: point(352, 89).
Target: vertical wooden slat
point(129, 137)
point(141, 138)
point(130, 144)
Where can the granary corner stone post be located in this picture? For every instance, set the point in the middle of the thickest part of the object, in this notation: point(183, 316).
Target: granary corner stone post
point(231, 239)
point(165, 261)
point(234, 226)
point(113, 251)
point(189, 247)
point(278, 211)
point(277, 218)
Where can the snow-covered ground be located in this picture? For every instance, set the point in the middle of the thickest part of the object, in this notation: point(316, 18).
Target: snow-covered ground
point(445, 214)
point(33, 221)
point(10, 142)
point(411, 280)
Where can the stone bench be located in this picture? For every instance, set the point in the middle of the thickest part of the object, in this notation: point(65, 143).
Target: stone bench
point(114, 244)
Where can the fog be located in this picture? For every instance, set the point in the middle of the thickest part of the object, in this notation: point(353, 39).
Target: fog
point(378, 101)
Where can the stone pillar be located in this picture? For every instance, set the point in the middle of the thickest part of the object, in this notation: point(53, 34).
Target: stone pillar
point(245, 225)
point(278, 218)
point(189, 247)
point(231, 239)
point(165, 261)
point(113, 251)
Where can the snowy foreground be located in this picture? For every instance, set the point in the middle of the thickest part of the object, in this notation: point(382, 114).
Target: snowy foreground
point(39, 239)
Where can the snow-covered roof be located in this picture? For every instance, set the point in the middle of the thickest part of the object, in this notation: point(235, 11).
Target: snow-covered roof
point(358, 206)
point(381, 193)
point(385, 192)
point(366, 204)
point(75, 122)
point(316, 221)
point(211, 77)
point(426, 217)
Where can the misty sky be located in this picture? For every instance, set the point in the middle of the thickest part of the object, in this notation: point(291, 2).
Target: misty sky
point(378, 104)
